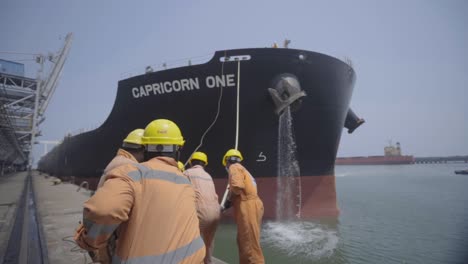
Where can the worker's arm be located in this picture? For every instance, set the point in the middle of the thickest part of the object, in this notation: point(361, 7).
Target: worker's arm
point(236, 179)
point(226, 203)
point(104, 212)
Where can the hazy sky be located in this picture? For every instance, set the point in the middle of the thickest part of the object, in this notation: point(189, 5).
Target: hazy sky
point(411, 57)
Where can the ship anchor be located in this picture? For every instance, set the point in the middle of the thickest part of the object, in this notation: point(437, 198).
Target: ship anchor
point(286, 92)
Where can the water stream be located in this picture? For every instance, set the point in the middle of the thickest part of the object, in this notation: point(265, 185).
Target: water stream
point(288, 233)
point(288, 201)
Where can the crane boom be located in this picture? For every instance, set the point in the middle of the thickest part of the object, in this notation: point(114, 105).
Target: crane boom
point(52, 81)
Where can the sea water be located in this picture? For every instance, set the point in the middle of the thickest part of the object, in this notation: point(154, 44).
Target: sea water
point(389, 214)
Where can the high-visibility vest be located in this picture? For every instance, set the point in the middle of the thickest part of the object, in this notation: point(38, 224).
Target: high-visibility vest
point(123, 157)
point(153, 204)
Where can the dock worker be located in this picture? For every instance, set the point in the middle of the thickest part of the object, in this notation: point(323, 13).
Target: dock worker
point(152, 203)
point(247, 207)
point(207, 200)
point(131, 151)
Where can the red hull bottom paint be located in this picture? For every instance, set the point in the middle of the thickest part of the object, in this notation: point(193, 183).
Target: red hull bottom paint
point(318, 196)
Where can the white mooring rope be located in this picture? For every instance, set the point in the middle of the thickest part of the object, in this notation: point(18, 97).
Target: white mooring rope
point(226, 193)
point(237, 111)
point(225, 196)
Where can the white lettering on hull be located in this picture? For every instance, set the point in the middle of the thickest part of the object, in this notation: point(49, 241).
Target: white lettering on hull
point(183, 85)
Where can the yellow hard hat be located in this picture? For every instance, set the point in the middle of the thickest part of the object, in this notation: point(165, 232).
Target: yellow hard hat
point(199, 156)
point(134, 137)
point(232, 153)
point(162, 132)
point(181, 166)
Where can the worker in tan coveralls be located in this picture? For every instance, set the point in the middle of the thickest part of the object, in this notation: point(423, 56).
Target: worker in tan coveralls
point(248, 208)
point(132, 151)
point(152, 203)
point(207, 200)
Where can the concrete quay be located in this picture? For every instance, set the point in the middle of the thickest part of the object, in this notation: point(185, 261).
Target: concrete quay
point(60, 208)
point(11, 188)
point(56, 207)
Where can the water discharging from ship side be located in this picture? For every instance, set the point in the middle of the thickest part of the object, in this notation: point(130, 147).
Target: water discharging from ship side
point(299, 240)
point(288, 201)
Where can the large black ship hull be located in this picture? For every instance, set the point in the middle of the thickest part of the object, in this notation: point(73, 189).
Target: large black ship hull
point(189, 97)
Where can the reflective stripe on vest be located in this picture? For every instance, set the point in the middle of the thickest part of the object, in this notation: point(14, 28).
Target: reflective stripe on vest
point(93, 230)
point(174, 256)
point(147, 173)
point(201, 178)
point(253, 180)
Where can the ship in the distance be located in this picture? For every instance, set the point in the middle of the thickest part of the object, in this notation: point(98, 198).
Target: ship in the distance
point(392, 156)
point(315, 86)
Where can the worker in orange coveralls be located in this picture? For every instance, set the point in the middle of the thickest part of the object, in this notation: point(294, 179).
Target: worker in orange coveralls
point(207, 200)
point(132, 151)
point(248, 208)
point(152, 204)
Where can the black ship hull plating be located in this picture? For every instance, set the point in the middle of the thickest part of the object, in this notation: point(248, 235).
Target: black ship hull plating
point(189, 96)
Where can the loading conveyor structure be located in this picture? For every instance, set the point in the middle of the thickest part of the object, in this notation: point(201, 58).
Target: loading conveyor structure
point(23, 102)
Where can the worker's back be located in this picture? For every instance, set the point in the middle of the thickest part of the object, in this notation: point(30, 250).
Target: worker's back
point(202, 182)
point(162, 226)
point(242, 183)
point(123, 157)
point(248, 214)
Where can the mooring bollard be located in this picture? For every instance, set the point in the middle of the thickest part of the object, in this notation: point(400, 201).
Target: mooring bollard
point(57, 182)
point(81, 186)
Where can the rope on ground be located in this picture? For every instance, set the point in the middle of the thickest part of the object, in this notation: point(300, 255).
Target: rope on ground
point(77, 249)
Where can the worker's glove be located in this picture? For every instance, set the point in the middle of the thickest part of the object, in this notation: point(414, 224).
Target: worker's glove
point(80, 238)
